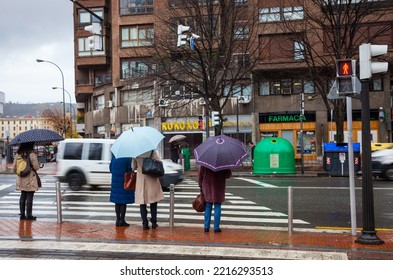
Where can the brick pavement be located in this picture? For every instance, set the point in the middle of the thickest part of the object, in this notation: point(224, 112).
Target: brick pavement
point(192, 241)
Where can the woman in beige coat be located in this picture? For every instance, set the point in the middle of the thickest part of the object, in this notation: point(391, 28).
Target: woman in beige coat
point(147, 191)
point(27, 185)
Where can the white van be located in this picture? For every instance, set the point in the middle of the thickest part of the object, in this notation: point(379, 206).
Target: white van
point(85, 161)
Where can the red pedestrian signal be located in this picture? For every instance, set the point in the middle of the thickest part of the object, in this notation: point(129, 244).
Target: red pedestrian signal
point(200, 122)
point(345, 68)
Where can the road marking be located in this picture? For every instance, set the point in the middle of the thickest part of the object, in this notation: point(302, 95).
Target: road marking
point(2, 187)
point(259, 183)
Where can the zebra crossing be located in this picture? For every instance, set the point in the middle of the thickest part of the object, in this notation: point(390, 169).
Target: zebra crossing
point(92, 206)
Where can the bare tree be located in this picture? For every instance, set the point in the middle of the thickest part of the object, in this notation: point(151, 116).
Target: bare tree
point(55, 117)
point(224, 52)
point(334, 29)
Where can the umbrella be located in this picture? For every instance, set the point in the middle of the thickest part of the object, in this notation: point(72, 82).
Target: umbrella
point(220, 152)
point(38, 136)
point(136, 141)
point(177, 138)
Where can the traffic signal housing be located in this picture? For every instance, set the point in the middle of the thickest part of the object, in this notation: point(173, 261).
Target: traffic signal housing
point(346, 76)
point(182, 35)
point(367, 67)
point(96, 39)
point(215, 118)
point(200, 122)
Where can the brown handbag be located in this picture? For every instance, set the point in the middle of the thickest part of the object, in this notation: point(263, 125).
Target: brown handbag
point(199, 203)
point(130, 181)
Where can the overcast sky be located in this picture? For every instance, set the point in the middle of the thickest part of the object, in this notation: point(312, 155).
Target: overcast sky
point(31, 29)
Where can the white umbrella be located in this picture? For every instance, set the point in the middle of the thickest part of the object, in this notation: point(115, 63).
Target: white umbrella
point(136, 141)
point(178, 137)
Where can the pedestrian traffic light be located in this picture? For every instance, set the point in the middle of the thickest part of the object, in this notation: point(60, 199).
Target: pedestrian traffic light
point(200, 122)
point(367, 67)
point(182, 35)
point(346, 76)
point(215, 118)
point(95, 41)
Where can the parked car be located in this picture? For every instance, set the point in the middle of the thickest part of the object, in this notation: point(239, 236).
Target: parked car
point(86, 162)
point(382, 163)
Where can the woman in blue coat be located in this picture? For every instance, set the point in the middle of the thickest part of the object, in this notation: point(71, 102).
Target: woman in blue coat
point(121, 197)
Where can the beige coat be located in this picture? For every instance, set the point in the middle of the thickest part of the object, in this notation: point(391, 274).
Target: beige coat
point(148, 189)
point(28, 183)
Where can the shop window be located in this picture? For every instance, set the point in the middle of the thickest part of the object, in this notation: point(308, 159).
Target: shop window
point(308, 142)
point(269, 134)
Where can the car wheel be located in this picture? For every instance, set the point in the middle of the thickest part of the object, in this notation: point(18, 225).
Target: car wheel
point(388, 173)
point(75, 181)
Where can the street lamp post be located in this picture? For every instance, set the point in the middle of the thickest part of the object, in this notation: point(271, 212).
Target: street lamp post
point(62, 80)
point(69, 95)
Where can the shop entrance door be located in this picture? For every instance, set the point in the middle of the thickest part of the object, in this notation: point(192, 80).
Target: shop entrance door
point(288, 135)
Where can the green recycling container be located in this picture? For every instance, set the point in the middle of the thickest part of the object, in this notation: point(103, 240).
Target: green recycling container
point(186, 154)
point(274, 155)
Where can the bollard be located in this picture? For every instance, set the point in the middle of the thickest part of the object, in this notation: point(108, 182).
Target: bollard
point(171, 205)
point(290, 210)
point(58, 200)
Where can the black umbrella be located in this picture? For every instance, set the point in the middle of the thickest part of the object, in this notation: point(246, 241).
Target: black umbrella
point(38, 136)
point(220, 152)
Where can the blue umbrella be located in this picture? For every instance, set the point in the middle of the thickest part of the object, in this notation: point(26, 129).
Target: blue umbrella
point(136, 141)
point(38, 136)
point(220, 152)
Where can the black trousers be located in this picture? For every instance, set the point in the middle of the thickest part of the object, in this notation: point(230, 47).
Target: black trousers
point(153, 210)
point(26, 203)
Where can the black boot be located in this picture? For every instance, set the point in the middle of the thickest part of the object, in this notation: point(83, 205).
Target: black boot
point(29, 207)
point(22, 207)
point(123, 208)
point(117, 211)
point(153, 210)
point(143, 211)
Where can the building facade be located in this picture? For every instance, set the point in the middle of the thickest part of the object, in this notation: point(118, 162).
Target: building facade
point(112, 96)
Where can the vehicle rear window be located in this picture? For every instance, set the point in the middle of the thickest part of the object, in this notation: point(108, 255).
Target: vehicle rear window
point(95, 151)
point(73, 151)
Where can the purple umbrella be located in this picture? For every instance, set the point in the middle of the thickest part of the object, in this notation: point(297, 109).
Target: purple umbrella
point(220, 152)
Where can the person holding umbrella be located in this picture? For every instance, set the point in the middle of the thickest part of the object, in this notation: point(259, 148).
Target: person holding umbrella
point(175, 151)
point(29, 184)
point(213, 186)
point(121, 197)
point(148, 190)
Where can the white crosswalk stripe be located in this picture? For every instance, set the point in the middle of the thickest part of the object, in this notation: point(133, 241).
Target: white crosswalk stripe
point(92, 205)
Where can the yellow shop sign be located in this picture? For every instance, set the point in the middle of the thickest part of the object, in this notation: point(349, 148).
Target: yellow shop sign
point(188, 125)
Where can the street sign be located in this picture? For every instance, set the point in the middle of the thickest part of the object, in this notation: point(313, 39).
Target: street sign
point(342, 157)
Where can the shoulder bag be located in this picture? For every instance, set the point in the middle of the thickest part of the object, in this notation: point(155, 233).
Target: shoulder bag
point(199, 203)
point(153, 168)
point(130, 181)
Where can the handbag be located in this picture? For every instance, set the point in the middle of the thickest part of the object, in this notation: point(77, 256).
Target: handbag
point(199, 203)
point(152, 167)
point(130, 181)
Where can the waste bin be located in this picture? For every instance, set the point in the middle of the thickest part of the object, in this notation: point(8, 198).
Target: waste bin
point(335, 158)
point(274, 156)
point(186, 155)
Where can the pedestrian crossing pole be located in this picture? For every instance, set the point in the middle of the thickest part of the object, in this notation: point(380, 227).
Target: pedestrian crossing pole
point(171, 205)
point(58, 204)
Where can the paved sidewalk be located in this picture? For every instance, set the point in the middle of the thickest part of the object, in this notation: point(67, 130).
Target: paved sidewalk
point(41, 239)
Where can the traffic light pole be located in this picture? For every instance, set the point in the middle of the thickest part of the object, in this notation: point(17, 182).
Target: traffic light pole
point(369, 234)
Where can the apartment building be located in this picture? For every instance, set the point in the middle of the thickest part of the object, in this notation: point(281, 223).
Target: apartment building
point(281, 97)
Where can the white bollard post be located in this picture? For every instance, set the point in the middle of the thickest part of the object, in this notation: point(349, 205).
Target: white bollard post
point(171, 205)
point(290, 210)
point(58, 200)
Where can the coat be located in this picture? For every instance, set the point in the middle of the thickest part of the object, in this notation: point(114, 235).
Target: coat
point(213, 183)
point(30, 182)
point(148, 189)
point(118, 167)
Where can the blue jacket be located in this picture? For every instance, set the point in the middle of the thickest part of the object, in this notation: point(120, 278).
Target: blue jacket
point(118, 167)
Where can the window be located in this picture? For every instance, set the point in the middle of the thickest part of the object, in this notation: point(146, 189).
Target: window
point(135, 7)
point(298, 50)
point(73, 151)
point(84, 49)
point(134, 69)
point(308, 142)
point(99, 102)
point(286, 86)
point(376, 84)
point(138, 96)
point(281, 13)
point(137, 36)
point(95, 151)
point(85, 17)
point(241, 60)
point(241, 32)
